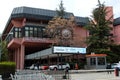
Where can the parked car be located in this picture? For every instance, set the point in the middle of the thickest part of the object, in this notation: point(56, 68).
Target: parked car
point(44, 67)
point(114, 65)
point(60, 66)
point(33, 67)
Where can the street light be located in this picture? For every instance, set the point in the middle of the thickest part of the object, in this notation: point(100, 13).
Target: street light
point(1, 35)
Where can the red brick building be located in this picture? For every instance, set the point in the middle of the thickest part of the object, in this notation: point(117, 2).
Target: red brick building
point(27, 27)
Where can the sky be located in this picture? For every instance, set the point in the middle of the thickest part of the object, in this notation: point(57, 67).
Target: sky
point(82, 8)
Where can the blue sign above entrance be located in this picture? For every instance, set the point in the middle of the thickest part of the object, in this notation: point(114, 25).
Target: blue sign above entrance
point(59, 49)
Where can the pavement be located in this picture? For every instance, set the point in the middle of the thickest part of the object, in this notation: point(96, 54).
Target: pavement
point(97, 74)
point(93, 75)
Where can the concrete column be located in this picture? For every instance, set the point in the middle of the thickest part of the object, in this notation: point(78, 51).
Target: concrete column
point(96, 62)
point(105, 61)
point(22, 55)
point(16, 58)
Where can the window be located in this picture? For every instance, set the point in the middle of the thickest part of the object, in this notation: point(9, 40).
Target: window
point(34, 31)
point(18, 33)
point(27, 31)
point(92, 61)
point(39, 32)
point(101, 61)
point(31, 32)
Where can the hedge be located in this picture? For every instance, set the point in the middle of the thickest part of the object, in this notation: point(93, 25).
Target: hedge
point(7, 68)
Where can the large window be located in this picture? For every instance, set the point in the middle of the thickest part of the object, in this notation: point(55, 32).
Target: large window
point(35, 31)
point(101, 61)
point(29, 31)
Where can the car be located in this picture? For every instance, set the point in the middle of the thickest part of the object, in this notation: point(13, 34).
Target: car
point(44, 67)
point(61, 66)
point(41, 67)
point(115, 65)
point(33, 67)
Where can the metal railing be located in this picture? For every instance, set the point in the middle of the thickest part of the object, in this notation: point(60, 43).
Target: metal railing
point(59, 74)
point(31, 75)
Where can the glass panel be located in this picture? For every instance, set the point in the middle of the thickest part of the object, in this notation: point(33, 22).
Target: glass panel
point(31, 28)
point(19, 35)
point(16, 29)
point(35, 32)
point(39, 32)
point(16, 34)
point(26, 34)
point(101, 61)
point(31, 31)
point(92, 61)
point(26, 31)
point(26, 28)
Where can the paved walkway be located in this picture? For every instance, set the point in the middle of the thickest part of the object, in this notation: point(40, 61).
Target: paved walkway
point(94, 76)
point(83, 75)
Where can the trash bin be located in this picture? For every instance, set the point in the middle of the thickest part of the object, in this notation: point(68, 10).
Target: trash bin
point(116, 71)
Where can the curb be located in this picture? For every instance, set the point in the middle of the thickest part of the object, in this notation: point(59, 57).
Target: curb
point(90, 71)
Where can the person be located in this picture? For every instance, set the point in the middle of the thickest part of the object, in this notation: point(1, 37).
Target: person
point(109, 67)
point(37, 64)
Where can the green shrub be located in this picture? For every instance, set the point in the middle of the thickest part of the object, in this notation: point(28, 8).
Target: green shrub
point(7, 68)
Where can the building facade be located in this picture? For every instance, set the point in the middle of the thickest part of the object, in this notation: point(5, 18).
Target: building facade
point(27, 26)
point(28, 37)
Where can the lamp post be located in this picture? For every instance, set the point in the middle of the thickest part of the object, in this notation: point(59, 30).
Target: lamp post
point(1, 35)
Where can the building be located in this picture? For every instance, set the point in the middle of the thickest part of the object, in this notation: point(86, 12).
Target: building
point(27, 27)
point(116, 30)
point(28, 42)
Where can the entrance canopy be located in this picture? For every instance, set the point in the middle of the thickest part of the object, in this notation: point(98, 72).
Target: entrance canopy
point(53, 51)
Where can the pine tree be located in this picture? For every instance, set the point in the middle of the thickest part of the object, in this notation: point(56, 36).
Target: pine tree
point(4, 51)
point(100, 30)
point(61, 10)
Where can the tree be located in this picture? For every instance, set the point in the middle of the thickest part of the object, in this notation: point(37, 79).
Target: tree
point(61, 11)
point(4, 51)
point(115, 53)
point(60, 29)
point(99, 28)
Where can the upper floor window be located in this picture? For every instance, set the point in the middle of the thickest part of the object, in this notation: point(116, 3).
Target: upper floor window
point(28, 31)
point(17, 32)
point(35, 31)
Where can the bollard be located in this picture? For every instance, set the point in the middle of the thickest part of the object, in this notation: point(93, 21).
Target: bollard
point(116, 71)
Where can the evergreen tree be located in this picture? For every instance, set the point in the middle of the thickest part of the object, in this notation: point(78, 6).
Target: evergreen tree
point(61, 11)
point(60, 29)
point(4, 51)
point(99, 28)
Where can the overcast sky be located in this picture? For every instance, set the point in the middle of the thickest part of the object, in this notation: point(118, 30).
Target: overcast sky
point(82, 8)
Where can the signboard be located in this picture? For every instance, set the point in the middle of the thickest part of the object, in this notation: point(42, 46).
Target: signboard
point(59, 49)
